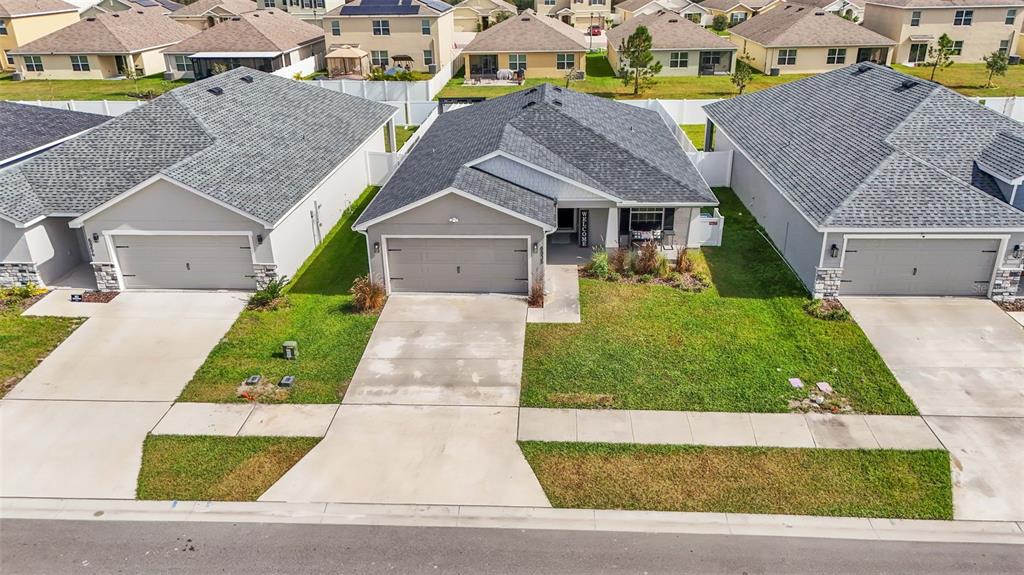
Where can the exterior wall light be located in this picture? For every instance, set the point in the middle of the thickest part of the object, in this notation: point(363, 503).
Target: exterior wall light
point(834, 250)
point(536, 247)
point(376, 247)
point(96, 237)
point(453, 220)
point(259, 239)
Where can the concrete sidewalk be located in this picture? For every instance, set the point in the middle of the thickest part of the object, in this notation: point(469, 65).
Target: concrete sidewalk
point(229, 419)
point(562, 300)
point(730, 429)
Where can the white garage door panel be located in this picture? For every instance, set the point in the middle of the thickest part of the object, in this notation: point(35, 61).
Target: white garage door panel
point(453, 265)
point(939, 267)
point(185, 262)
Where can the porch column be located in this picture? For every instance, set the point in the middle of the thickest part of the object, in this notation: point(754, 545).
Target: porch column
point(392, 137)
point(465, 65)
point(611, 236)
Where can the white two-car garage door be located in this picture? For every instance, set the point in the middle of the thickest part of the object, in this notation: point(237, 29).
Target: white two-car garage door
point(922, 267)
point(458, 265)
point(185, 262)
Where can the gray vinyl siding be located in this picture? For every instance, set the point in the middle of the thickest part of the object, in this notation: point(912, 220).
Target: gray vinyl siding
point(791, 233)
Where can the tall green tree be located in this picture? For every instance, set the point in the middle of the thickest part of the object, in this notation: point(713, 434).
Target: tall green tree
point(743, 73)
point(940, 55)
point(996, 63)
point(637, 65)
point(719, 23)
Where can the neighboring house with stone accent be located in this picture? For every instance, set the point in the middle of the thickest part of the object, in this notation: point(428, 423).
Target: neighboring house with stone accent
point(798, 39)
point(213, 200)
point(26, 131)
point(22, 21)
point(682, 47)
point(922, 197)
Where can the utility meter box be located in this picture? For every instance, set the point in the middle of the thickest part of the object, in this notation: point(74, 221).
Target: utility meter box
point(290, 350)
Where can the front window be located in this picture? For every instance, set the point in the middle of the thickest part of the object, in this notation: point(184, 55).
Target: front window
point(737, 17)
point(565, 61)
point(646, 219)
point(597, 2)
point(693, 17)
point(517, 62)
point(787, 57)
point(3, 28)
point(425, 27)
point(379, 58)
point(958, 48)
point(428, 57)
point(307, 4)
point(335, 27)
point(80, 63)
point(915, 18)
point(268, 3)
point(963, 17)
point(678, 59)
point(836, 56)
point(1011, 17)
point(182, 64)
point(33, 63)
point(549, 2)
point(1004, 47)
point(381, 28)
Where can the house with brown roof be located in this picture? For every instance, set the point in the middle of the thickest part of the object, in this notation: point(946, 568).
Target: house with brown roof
point(977, 27)
point(737, 11)
point(105, 46)
point(22, 21)
point(849, 9)
point(683, 47)
point(528, 45)
point(798, 39)
point(265, 40)
point(205, 14)
point(479, 15)
point(309, 11)
point(107, 6)
point(580, 14)
point(692, 11)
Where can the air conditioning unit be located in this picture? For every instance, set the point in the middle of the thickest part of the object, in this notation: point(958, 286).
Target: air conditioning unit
point(1013, 60)
point(774, 72)
point(432, 68)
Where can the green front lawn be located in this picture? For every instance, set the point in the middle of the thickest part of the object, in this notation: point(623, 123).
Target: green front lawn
point(970, 79)
point(331, 337)
point(26, 340)
point(402, 134)
point(216, 468)
point(85, 89)
point(602, 81)
point(833, 482)
point(730, 348)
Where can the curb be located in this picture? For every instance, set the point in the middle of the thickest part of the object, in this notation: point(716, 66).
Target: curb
point(1005, 532)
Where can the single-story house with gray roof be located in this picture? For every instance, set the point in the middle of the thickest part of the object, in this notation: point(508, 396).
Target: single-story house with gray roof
point(26, 130)
point(921, 195)
point(184, 193)
point(496, 190)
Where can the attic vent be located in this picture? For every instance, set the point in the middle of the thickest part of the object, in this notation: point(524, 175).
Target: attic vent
point(556, 88)
point(862, 68)
point(673, 20)
point(116, 15)
point(819, 13)
point(525, 19)
point(528, 104)
point(216, 90)
point(556, 102)
point(90, 19)
point(235, 18)
point(531, 90)
point(247, 79)
point(906, 85)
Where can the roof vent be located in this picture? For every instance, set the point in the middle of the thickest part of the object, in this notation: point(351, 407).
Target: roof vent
point(115, 15)
point(216, 90)
point(673, 20)
point(90, 19)
point(235, 18)
point(528, 104)
point(247, 79)
point(861, 69)
point(531, 90)
point(906, 85)
point(525, 19)
point(819, 13)
point(556, 102)
point(556, 88)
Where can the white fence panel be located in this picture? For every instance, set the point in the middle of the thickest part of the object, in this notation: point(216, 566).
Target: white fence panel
point(715, 167)
point(707, 230)
point(382, 165)
point(305, 67)
point(392, 90)
point(101, 107)
point(419, 112)
point(1011, 106)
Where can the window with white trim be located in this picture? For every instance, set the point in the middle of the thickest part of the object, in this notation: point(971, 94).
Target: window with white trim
point(678, 59)
point(1011, 17)
point(737, 17)
point(565, 61)
point(182, 63)
point(33, 64)
point(836, 56)
point(425, 27)
point(549, 2)
point(3, 27)
point(963, 17)
point(517, 61)
point(335, 27)
point(958, 47)
point(381, 28)
point(1004, 47)
point(80, 63)
point(428, 57)
point(379, 58)
point(268, 3)
point(915, 18)
point(787, 57)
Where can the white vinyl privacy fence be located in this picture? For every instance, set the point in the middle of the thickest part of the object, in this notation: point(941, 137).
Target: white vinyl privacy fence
point(391, 90)
point(101, 107)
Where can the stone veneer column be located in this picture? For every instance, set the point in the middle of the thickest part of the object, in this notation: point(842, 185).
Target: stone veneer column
point(1006, 285)
point(826, 283)
point(265, 273)
point(15, 274)
point(106, 277)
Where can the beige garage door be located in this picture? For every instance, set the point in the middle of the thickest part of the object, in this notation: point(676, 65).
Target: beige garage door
point(185, 262)
point(458, 265)
point(918, 267)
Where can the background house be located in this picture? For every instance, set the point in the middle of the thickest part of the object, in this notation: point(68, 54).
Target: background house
point(682, 47)
point(107, 6)
point(22, 21)
point(736, 11)
point(918, 198)
point(978, 27)
point(478, 15)
point(852, 10)
point(105, 46)
point(537, 46)
point(204, 14)
point(417, 33)
point(265, 40)
point(798, 39)
point(26, 131)
point(692, 11)
point(217, 198)
point(580, 14)
point(309, 11)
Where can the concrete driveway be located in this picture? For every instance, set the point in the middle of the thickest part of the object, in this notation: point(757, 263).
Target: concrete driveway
point(74, 426)
point(962, 362)
point(430, 416)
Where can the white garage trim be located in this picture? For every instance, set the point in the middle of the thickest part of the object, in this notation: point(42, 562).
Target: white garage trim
point(1003, 239)
point(384, 250)
point(108, 236)
point(410, 206)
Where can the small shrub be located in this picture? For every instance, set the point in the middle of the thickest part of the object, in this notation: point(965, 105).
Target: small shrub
point(17, 293)
point(599, 264)
point(367, 295)
point(536, 297)
point(664, 270)
point(645, 278)
point(701, 277)
point(270, 295)
point(618, 261)
point(646, 260)
point(683, 262)
point(614, 277)
point(827, 309)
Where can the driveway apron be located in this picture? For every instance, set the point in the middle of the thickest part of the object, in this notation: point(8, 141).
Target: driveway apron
point(431, 414)
point(962, 362)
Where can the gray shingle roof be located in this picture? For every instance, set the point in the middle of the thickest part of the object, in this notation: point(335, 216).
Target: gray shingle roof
point(621, 150)
point(906, 159)
point(262, 162)
point(670, 31)
point(795, 25)
point(1005, 156)
point(24, 128)
point(528, 32)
